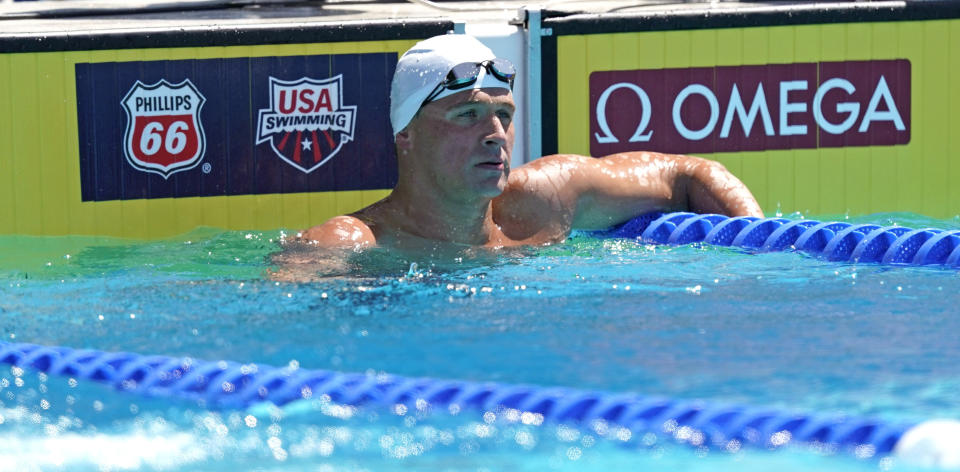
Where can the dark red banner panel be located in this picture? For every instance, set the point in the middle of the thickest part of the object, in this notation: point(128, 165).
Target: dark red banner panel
point(750, 108)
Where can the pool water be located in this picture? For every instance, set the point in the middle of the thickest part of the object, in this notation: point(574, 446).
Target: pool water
point(780, 330)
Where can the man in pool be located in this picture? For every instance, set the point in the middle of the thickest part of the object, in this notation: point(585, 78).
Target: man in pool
point(452, 113)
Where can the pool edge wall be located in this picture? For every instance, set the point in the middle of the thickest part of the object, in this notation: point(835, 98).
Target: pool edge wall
point(74, 159)
point(64, 170)
point(881, 170)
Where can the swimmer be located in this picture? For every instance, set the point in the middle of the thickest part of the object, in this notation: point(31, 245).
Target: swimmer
point(452, 112)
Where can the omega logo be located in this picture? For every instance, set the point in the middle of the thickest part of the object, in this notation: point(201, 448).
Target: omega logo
point(786, 106)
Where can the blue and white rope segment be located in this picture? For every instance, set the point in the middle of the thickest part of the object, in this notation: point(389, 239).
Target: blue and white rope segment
point(833, 241)
point(231, 385)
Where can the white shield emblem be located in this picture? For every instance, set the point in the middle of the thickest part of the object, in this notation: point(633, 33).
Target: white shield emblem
point(163, 133)
point(307, 122)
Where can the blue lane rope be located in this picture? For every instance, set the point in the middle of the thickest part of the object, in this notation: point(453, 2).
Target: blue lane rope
point(231, 385)
point(833, 241)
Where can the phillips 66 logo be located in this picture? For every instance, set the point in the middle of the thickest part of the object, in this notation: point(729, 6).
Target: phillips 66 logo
point(163, 133)
point(307, 122)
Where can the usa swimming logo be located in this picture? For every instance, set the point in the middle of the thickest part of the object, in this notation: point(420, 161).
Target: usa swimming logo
point(163, 134)
point(307, 123)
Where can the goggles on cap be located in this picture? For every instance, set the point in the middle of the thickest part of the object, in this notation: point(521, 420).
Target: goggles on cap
point(466, 74)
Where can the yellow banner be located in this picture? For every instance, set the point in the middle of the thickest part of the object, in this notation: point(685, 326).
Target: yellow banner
point(794, 160)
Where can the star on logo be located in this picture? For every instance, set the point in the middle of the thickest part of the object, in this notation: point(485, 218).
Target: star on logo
point(307, 144)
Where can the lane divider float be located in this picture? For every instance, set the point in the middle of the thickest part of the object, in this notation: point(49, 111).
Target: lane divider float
point(232, 385)
point(834, 241)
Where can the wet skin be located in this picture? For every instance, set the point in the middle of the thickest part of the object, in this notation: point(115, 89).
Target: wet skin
point(456, 186)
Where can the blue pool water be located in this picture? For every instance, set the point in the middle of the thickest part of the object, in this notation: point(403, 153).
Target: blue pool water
point(781, 330)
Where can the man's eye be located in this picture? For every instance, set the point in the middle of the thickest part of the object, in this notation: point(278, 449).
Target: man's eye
point(468, 113)
point(505, 115)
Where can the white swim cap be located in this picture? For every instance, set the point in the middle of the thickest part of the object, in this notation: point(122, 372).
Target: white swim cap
point(425, 65)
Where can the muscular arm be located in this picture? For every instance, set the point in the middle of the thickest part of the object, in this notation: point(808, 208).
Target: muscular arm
point(711, 188)
point(587, 193)
point(618, 187)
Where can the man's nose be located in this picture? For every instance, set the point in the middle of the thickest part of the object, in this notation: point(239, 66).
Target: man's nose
point(497, 134)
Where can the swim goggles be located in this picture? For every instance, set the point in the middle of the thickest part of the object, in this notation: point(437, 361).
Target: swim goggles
point(466, 74)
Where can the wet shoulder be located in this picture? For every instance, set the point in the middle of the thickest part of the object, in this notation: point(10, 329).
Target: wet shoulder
point(341, 231)
point(540, 199)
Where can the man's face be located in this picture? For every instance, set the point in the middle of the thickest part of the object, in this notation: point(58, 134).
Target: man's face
point(462, 143)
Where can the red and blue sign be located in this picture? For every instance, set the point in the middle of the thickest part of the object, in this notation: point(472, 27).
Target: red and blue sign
point(751, 108)
point(238, 126)
point(307, 122)
point(163, 134)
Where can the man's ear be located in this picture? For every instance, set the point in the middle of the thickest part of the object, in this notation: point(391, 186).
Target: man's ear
point(403, 142)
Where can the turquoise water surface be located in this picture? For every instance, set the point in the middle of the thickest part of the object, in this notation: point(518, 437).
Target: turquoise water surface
point(780, 330)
